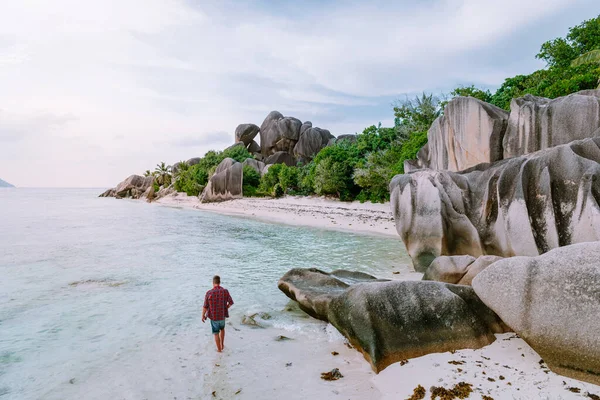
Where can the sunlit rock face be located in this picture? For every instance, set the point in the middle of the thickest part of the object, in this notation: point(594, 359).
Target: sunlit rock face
point(553, 302)
point(469, 133)
point(520, 206)
point(226, 182)
point(537, 123)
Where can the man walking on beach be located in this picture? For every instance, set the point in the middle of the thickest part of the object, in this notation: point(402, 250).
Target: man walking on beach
point(216, 305)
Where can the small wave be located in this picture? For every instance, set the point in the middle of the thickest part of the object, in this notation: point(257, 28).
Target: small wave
point(99, 282)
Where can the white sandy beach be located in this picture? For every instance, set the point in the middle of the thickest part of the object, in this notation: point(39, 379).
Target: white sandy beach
point(317, 212)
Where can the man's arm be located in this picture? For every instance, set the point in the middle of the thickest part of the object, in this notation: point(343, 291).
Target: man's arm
point(205, 308)
point(229, 300)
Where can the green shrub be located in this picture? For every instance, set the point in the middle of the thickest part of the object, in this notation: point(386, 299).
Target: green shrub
point(270, 179)
point(288, 178)
point(238, 153)
point(278, 191)
point(251, 181)
point(306, 183)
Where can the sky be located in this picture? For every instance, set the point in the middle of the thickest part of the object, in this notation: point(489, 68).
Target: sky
point(94, 91)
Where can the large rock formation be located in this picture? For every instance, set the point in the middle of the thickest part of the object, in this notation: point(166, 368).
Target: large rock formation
point(134, 187)
point(300, 140)
point(281, 157)
point(538, 123)
point(225, 184)
point(246, 133)
point(279, 133)
point(469, 133)
point(311, 141)
point(553, 302)
point(390, 321)
point(521, 206)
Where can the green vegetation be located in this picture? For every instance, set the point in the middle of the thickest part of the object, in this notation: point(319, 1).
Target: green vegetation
point(193, 179)
point(251, 180)
point(573, 64)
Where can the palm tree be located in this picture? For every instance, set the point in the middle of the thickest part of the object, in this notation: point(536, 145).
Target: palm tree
point(162, 173)
point(587, 58)
point(147, 173)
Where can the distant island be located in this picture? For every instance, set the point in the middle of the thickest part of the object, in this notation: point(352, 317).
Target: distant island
point(5, 184)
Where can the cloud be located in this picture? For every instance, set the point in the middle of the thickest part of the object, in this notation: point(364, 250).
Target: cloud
point(209, 139)
point(15, 127)
point(123, 84)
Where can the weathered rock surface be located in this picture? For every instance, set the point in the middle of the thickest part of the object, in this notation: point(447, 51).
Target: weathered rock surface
point(254, 147)
point(134, 186)
point(279, 133)
point(538, 123)
point(520, 206)
point(552, 301)
point(459, 270)
point(225, 184)
point(349, 137)
point(313, 289)
point(469, 133)
point(281, 157)
point(246, 133)
point(165, 191)
point(449, 269)
point(257, 165)
point(311, 141)
point(474, 269)
point(390, 321)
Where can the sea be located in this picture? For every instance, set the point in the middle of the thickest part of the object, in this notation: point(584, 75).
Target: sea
point(101, 299)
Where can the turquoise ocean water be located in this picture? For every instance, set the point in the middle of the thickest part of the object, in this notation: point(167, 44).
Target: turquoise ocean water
point(87, 284)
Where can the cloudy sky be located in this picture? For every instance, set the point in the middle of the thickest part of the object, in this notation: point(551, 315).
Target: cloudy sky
point(92, 91)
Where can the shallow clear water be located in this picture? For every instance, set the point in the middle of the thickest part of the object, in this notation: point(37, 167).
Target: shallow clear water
point(87, 283)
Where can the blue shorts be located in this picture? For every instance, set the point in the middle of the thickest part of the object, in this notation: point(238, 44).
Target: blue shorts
point(217, 326)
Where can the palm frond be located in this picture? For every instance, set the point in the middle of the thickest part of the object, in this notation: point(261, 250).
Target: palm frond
point(587, 58)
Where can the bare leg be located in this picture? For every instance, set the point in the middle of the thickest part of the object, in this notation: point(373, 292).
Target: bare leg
point(218, 342)
point(222, 337)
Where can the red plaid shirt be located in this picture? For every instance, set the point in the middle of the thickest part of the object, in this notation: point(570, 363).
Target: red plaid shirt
point(216, 301)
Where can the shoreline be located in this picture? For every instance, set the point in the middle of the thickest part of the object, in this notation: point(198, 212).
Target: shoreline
point(315, 212)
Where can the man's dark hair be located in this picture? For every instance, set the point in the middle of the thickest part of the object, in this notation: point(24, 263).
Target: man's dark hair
point(217, 279)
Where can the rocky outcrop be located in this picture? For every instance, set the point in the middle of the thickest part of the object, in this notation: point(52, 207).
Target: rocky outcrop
point(133, 187)
point(258, 166)
point(348, 137)
point(253, 148)
point(520, 206)
point(225, 184)
point(474, 269)
point(390, 321)
point(449, 269)
point(537, 123)
point(281, 157)
point(469, 133)
point(246, 133)
point(552, 301)
point(311, 141)
point(279, 133)
point(457, 269)
point(289, 135)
